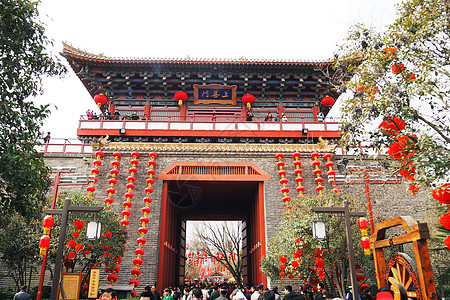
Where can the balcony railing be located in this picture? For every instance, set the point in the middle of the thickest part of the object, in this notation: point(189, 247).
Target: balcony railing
point(219, 123)
point(67, 146)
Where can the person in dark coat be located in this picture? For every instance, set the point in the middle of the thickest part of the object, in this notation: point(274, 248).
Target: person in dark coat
point(147, 294)
point(22, 295)
point(215, 293)
point(223, 294)
point(155, 293)
point(290, 295)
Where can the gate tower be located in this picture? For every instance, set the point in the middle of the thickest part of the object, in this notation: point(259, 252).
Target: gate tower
point(214, 161)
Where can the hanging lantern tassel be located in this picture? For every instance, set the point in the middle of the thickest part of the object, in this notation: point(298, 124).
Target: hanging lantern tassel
point(298, 172)
point(331, 173)
point(318, 172)
point(280, 164)
point(130, 186)
point(112, 181)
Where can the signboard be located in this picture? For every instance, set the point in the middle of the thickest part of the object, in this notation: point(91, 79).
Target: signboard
point(93, 283)
point(215, 93)
point(71, 285)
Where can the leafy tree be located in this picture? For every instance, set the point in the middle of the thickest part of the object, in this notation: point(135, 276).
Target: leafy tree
point(224, 238)
point(105, 253)
point(400, 86)
point(401, 76)
point(23, 62)
point(294, 233)
point(19, 251)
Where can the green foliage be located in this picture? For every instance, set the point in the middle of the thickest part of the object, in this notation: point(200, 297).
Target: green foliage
point(19, 240)
point(297, 224)
point(401, 72)
point(101, 252)
point(23, 61)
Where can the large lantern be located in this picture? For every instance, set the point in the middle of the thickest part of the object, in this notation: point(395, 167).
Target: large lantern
point(100, 99)
point(327, 101)
point(248, 99)
point(180, 96)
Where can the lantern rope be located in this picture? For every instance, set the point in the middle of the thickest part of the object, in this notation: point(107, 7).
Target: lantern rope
point(329, 164)
point(112, 181)
point(298, 171)
point(130, 186)
point(136, 272)
point(283, 181)
point(317, 172)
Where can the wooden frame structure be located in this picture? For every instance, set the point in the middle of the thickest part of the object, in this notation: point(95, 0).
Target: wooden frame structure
point(416, 233)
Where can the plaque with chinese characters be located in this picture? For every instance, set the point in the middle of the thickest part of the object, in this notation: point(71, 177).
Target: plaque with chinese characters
point(215, 93)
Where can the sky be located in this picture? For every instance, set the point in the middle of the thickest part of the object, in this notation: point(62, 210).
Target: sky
point(296, 30)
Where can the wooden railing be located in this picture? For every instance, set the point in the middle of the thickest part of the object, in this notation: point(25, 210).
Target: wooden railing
point(67, 146)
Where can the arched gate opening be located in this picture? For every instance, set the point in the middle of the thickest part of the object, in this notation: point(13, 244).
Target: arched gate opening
point(211, 191)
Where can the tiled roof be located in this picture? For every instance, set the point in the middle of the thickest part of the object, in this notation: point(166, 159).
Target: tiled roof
point(73, 52)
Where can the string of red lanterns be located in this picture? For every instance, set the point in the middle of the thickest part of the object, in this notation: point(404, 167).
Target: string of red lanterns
point(44, 241)
point(320, 263)
point(317, 172)
point(283, 181)
point(329, 164)
point(112, 181)
point(136, 272)
point(363, 225)
point(95, 171)
point(298, 172)
point(130, 186)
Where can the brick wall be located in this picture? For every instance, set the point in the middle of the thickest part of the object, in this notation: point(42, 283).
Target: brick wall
point(388, 200)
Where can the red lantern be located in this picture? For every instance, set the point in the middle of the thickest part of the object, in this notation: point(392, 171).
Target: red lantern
point(100, 99)
point(327, 101)
point(44, 243)
point(282, 267)
point(180, 96)
point(362, 223)
point(248, 99)
point(283, 259)
point(365, 244)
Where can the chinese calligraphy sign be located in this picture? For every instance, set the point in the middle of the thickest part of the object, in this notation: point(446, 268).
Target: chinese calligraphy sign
point(215, 93)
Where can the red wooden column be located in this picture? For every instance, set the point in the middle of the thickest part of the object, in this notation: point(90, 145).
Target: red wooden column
point(162, 261)
point(147, 109)
point(183, 112)
point(261, 229)
point(315, 112)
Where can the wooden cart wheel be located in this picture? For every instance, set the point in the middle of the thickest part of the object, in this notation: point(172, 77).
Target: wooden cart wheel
point(401, 277)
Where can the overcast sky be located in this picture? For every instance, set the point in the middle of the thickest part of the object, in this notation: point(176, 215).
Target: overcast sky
point(303, 30)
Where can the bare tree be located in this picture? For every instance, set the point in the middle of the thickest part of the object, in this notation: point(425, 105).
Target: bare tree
point(222, 240)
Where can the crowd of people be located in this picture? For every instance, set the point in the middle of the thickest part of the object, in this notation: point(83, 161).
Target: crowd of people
point(231, 291)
